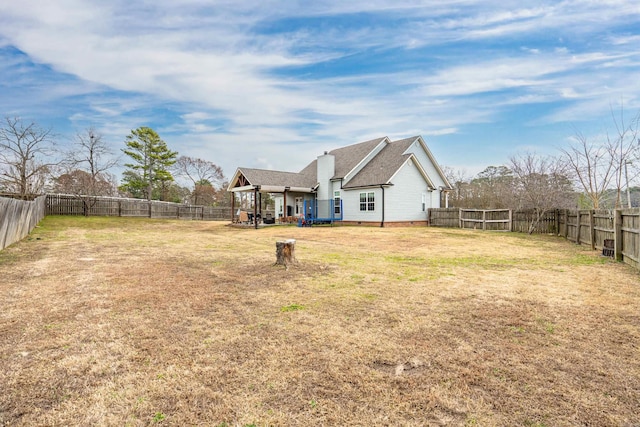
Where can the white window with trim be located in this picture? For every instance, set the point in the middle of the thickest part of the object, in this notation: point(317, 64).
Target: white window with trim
point(299, 207)
point(336, 202)
point(367, 201)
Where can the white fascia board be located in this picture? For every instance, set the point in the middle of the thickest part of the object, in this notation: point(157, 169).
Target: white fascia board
point(233, 180)
point(435, 163)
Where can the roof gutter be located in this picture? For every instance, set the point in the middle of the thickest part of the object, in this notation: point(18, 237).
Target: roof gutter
point(273, 189)
point(361, 187)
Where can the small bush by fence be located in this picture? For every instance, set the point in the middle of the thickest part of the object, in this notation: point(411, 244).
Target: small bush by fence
point(18, 218)
point(61, 204)
point(618, 227)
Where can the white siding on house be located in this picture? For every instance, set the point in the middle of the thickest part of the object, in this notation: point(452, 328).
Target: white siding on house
point(428, 166)
point(335, 186)
point(278, 200)
point(403, 201)
point(326, 168)
point(351, 205)
point(435, 199)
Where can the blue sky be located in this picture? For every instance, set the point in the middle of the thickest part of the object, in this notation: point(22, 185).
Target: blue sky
point(273, 84)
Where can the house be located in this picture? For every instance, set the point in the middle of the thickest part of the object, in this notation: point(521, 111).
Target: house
point(377, 182)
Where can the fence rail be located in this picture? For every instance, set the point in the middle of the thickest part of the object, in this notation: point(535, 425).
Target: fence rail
point(600, 229)
point(18, 218)
point(61, 204)
point(493, 219)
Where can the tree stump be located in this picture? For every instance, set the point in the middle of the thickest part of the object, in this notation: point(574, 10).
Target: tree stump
point(286, 252)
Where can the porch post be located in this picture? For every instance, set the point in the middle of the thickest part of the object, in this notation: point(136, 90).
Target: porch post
point(284, 208)
point(255, 206)
point(233, 205)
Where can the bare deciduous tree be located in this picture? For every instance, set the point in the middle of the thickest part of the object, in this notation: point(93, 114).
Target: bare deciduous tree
point(92, 155)
point(81, 184)
point(204, 176)
point(591, 167)
point(460, 182)
point(87, 167)
point(26, 156)
point(541, 184)
point(623, 149)
point(602, 166)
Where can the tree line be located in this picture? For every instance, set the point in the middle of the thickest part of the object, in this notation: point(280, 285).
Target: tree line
point(589, 173)
point(31, 163)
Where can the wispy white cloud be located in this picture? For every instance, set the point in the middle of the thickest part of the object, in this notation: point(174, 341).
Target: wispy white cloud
point(242, 77)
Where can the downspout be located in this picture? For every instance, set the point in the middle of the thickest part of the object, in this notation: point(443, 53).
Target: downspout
point(382, 222)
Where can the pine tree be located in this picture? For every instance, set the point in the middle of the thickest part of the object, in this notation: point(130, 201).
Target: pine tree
point(151, 161)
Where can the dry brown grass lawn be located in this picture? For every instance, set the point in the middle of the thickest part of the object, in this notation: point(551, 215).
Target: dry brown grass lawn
point(143, 322)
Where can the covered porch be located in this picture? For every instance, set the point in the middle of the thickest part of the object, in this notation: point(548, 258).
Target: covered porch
point(248, 188)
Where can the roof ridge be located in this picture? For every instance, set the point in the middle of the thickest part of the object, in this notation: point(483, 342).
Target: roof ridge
point(358, 143)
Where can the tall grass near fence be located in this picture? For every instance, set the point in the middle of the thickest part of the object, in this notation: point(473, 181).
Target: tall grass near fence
point(18, 218)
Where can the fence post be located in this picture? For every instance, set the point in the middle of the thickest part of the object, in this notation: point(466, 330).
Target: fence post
point(617, 234)
point(592, 230)
point(510, 220)
point(484, 220)
point(460, 217)
point(566, 224)
point(578, 224)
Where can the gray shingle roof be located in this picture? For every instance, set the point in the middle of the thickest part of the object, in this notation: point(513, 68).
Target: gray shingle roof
point(276, 178)
point(378, 171)
point(348, 157)
point(382, 167)
point(310, 173)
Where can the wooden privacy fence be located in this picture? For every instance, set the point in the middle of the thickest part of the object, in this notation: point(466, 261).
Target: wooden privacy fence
point(18, 218)
point(604, 229)
point(615, 231)
point(490, 219)
point(61, 204)
point(493, 219)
